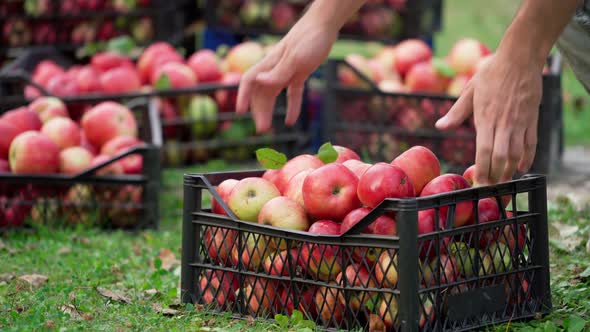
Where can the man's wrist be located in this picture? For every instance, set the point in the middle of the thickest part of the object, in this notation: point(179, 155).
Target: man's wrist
point(332, 14)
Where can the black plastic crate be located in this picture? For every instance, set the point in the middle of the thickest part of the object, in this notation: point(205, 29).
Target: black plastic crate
point(423, 289)
point(381, 125)
point(110, 201)
point(415, 19)
point(67, 26)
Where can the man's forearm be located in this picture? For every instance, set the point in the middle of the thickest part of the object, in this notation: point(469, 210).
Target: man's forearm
point(332, 14)
point(535, 28)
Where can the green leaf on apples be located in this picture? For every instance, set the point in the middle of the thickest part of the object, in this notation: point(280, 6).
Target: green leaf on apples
point(222, 50)
point(123, 45)
point(327, 154)
point(270, 159)
point(443, 68)
point(163, 83)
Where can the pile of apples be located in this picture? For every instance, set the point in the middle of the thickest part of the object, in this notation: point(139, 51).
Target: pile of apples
point(410, 67)
point(375, 19)
point(19, 31)
point(328, 196)
point(41, 139)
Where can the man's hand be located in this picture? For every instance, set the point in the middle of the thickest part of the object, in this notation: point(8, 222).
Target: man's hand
point(504, 96)
point(290, 62)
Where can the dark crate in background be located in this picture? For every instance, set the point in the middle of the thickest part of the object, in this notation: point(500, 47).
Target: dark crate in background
point(381, 125)
point(57, 25)
point(124, 201)
point(222, 262)
point(417, 19)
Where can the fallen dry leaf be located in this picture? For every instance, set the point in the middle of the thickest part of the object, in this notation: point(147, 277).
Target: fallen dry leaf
point(81, 240)
point(137, 249)
point(115, 296)
point(71, 310)
point(168, 259)
point(2, 245)
point(35, 280)
point(49, 324)
point(72, 296)
point(150, 293)
point(588, 245)
point(87, 316)
point(565, 235)
point(7, 277)
point(376, 324)
point(64, 251)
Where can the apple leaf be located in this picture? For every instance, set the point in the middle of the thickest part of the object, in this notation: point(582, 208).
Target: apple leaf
point(443, 68)
point(327, 154)
point(123, 45)
point(270, 159)
point(163, 83)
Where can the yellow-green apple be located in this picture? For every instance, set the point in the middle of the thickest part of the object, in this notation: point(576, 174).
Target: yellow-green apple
point(330, 192)
point(9, 132)
point(448, 183)
point(120, 80)
point(23, 119)
point(223, 189)
point(445, 266)
point(33, 152)
point(218, 288)
point(383, 181)
point(74, 160)
point(465, 54)
point(145, 64)
point(356, 166)
point(427, 313)
point(457, 85)
point(48, 108)
point(294, 189)
point(219, 243)
point(261, 296)
point(501, 257)
point(63, 131)
point(106, 121)
point(385, 56)
point(283, 213)
point(423, 77)
point(386, 269)
point(383, 225)
point(132, 164)
point(243, 56)
point(249, 196)
point(345, 154)
point(114, 168)
point(294, 166)
point(420, 165)
point(357, 276)
point(179, 75)
point(202, 111)
point(206, 66)
point(410, 52)
point(388, 311)
point(346, 76)
point(392, 86)
point(330, 310)
point(323, 262)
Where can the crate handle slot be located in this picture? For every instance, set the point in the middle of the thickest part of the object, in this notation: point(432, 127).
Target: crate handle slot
point(362, 76)
point(136, 150)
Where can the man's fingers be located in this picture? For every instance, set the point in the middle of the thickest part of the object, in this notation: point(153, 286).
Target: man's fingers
point(530, 146)
point(460, 111)
point(278, 77)
point(500, 153)
point(262, 107)
point(294, 98)
point(248, 80)
point(515, 153)
point(484, 141)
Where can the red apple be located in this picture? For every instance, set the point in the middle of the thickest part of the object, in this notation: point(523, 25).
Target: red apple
point(86, 145)
point(4, 166)
point(281, 212)
point(179, 75)
point(294, 166)
point(32, 152)
point(218, 287)
point(145, 64)
point(243, 56)
point(469, 175)
point(283, 16)
point(23, 119)
point(323, 262)
point(410, 52)
point(357, 276)
point(281, 263)
point(465, 54)
point(445, 266)
point(330, 192)
point(509, 235)
point(294, 190)
point(88, 80)
point(330, 310)
point(45, 70)
point(271, 175)
point(345, 154)
point(356, 166)
point(219, 243)
point(388, 311)
point(120, 80)
point(223, 189)
point(423, 77)
point(9, 132)
point(132, 164)
point(63, 131)
point(205, 64)
point(62, 86)
point(249, 196)
point(74, 160)
point(226, 98)
point(448, 183)
point(420, 165)
point(305, 300)
point(112, 169)
point(261, 296)
point(105, 61)
point(106, 121)
point(48, 108)
point(383, 181)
